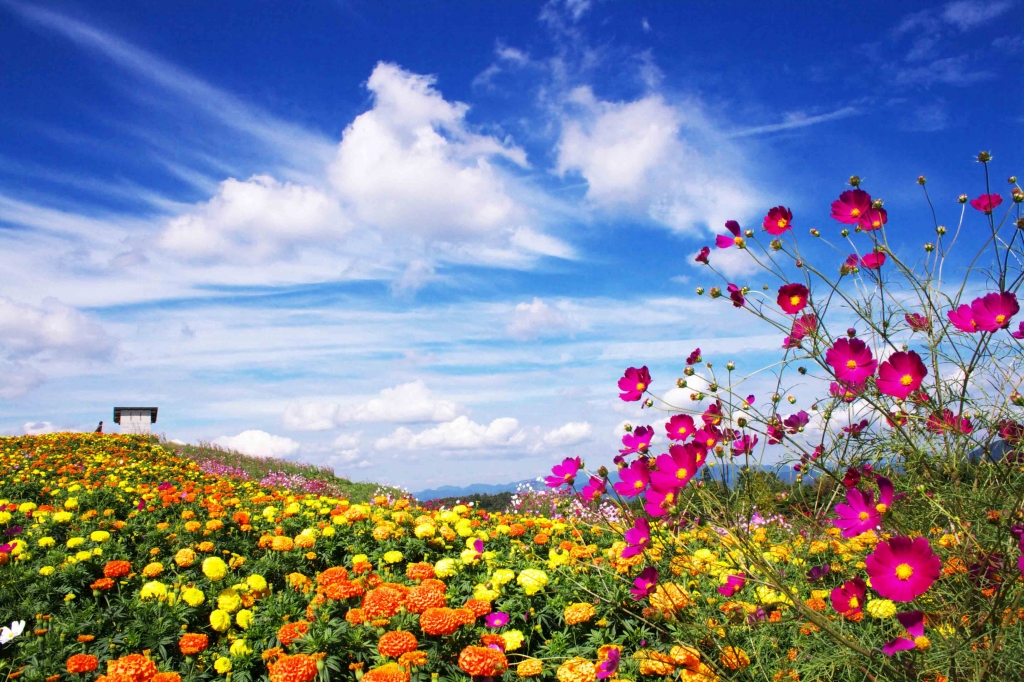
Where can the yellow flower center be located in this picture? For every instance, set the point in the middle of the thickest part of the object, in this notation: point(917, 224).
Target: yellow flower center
point(738, 241)
point(855, 212)
point(568, 476)
point(922, 642)
point(638, 485)
point(904, 571)
point(681, 474)
point(851, 364)
point(906, 379)
point(876, 223)
point(683, 430)
point(710, 442)
point(1000, 318)
point(882, 508)
point(863, 516)
point(794, 300)
point(782, 222)
point(641, 386)
point(854, 603)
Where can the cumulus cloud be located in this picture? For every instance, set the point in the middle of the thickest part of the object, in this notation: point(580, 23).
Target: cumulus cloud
point(37, 428)
point(666, 160)
point(406, 403)
point(52, 328)
point(17, 379)
point(537, 319)
point(311, 416)
point(572, 433)
point(258, 444)
point(458, 434)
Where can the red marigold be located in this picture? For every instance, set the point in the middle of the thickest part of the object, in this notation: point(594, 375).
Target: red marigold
point(439, 621)
point(193, 643)
point(82, 663)
point(131, 668)
point(298, 668)
point(117, 569)
point(292, 631)
point(394, 644)
point(382, 602)
point(479, 607)
point(481, 661)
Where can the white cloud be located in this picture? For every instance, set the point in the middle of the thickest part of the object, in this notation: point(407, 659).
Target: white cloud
point(458, 434)
point(538, 319)
point(966, 14)
point(258, 444)
point(17, 379)
point(26, 331)
point(348, 441)
point(568, 434)
point(648, 155)
point(406, 403)
point(37, 428)
point(311, 416)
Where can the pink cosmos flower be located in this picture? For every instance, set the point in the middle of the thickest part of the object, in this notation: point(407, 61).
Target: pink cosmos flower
point(851, 206)
point(850, 265)
point(637, 441)
point(1020, 559)
point(992, 312)
point(849, 599)
point(498, 619)
point(1019, 334)
point(594, 489)
point(851, 360)
point(564, 473)
point(610, 665)
point(694, 357)
point(845, 390)
point(903, 569)
point(736, 296)
point(680, 427)
point(856, 428)
point(744, 445)
point(917, 322)
point(723, 241)
point(778, 220)
point(708, 437)
point(733, 584)
point(950, 422)
point(713, 415)
point(860, 513)
point(963, 319)
point(873, 219)
point(775, 434)
point(901, 374)
point(645, 583)
point(913, 622)
point(637, 538)
point(873, 260)
point(795, 422)
point(633, 384)
point(986, 203)
point(659, 501)
point(675, 469)
point(633, 479)
point(702, 257)
point(792, 298)
point(805, 325)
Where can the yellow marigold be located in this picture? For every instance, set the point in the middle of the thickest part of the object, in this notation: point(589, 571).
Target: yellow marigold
point(153, 569)
point(282, 543)
point(154, 589)
point(734, 658)
point(580, 612)
point(229, 600)
point(244, 619)
point(577, 670)
point(240, 648)
point(99, 536)
point(220, 620)
point(256, 582)
point(222, 665)
point(214, 568)
point(670, 597)
point(392, 557)
point(193, 596)
point(532, 580)
point(880, 608)
point(531, 667)
point(304, 541)
point(513, 639)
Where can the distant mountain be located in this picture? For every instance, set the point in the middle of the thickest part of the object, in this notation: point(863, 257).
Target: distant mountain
point(456, 491)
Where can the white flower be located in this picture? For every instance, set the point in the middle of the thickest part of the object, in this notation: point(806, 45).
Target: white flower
point(9, 633)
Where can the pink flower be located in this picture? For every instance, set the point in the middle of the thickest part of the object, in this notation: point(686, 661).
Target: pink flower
point(713, 415)
point(795, 422)
point(948, 421)
point(659, 501)
point(680, 427)
point(610, 665)
point(850, 265)
point(851, 206)
point(498, 619)
point(963, 319)
point(702, 257)
point(851, 360)
point(792, 298)
point(723, 241)
point(675, 469)
point(594, 489)
point(736, 296)
point(645, 583)
point(637, 441)
point(917, 322)
point(903, 569)
point(775, 434)
point(849, 599)
point(778, 220)
point(901, 374)
point(633, 384)
point(845, 390)
point(633, 479)
point(913, 622)
point(992, 312)
point(1019, 334)
point(873, 219)
point(564, 473)
point(744, 445)
point(694, 357)
point(804, 326)
point(733, 584)
point(708, 437)
point(860, 513)
point(986, 203)
point(637, 538)
point(873, 260)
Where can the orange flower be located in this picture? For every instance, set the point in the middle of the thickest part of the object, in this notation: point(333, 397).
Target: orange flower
point(465, 616)
point(117, 569)
point(389, 672)
point(82, 663)
point(355, 617)
point(131, 668)
point(734, 658)
point(290, 632)
point(298, 668)
point(205, 547)
point(578, 613)
point(332, 576)
point(343, 589)
point(282, 543)
point(578, 670)
point(413, 658)
point(193, 643)
point(439, 621)
point(166, 677)
point(394, 644)
point(516, 529)
point(531, 667)
point(481, 661)
point(541, 539)
point(193, 526)
point(85, 639)
point(419, 571)
point(102, 584)
point(382, 602)
point(478, 607)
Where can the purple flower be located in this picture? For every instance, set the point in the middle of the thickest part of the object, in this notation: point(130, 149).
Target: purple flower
point(795, 422)
point(638, 537)
point(645, 583)
point(744, 445)
point(610, 665)
point(736, 296)
point(818, 572)
point(498, 619)
point(13, 530)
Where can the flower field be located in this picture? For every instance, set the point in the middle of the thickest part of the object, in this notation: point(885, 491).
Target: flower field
point(875, 534)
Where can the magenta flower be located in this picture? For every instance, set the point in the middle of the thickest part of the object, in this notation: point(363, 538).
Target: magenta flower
point(1020, 559)
point(733, 584)
point(645, 583)
point(702, 257)
point(633, 384)
point(917, 322)
point(713, 415)
point(633, 479)
point(873, 260)
point(736, 296)
point(903, 569)
point(637, 538)
point(778, 220)
point(950, 422)
point(675, 469)
point(775, 434)
point(564, 473)
point(659, 501)
point(744, 445)
point(805, 325)
point(708, 437)
point(594, 489)
point(849, 599)
point(860, 513)
point(901, 374)
point(680, 427)
point(795, 422)
point(851, 360)
point(992, 312)
point(986, 203)
point(873, 219)
point(963, 319)
point(1019, 334)
point(637, 441)
point(856, 428)
point(851, 206)
point(498, 619)
point(913, 622)
point(724, 241)
point(792, 298)
point(694, 357)
point(610, 665)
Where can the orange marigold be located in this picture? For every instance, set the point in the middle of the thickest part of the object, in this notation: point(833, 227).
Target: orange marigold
point(82, 663)
point(185, 557)
point(389, 672)
point(355, 617)
point(117, 569)
point(424, 597)
point(290, 632)
point(343, 589)
point(578, 613)
point(102, 584)
point(465, 616)
point(166, 677)
point(531, 667)
point(193, 643)
point(734, 658)
point(419, 571)
point(577, 670)
point(541, 539)
point(332, 576)
point(131, 668)
point(298, 668)
point(205, 547)
point(412, 658)
point(282, 543)
point(478, 607)
point(439, 621)
point(394, 644)
point(516, 529)
point(382, 602)
point(85, 639)
point(480, 661)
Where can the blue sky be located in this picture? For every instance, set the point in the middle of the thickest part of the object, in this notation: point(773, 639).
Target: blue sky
point(419, 242)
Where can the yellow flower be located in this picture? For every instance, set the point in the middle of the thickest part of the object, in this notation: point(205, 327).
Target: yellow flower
point(328, 532)
point(580, 612)
point(532, 580)
point(63, 517)
point(75, 542)
point(228, 600)
point(214, 568)
point(240, 648)
point(513, 639)
point(425, 530)
point(256, 582)
point(880, 608)
point(360, 559)
point(153, 569)
point(244, 618)
point(445, 568)
point(484, 593)
point(99, 536)
point(5, 517)
point(220, 620)
point(193, 597)
point(46, 570)
point(577, 670)
point(154, 589)
point(84, 555)
point(222, 665)
point(557, 557)
point(469, 557)
point(26, 507)
point(47, 542)
point(71, 503)
point(502, 576)
point(392, 557)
